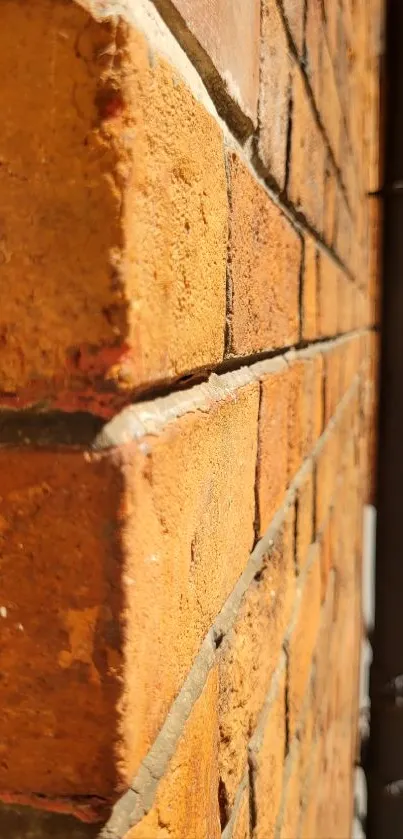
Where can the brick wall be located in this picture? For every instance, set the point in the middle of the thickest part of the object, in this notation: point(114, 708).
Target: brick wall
point(188, 337)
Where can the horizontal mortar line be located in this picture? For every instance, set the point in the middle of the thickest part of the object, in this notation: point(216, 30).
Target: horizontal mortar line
point(138, 800)
point(46, 429)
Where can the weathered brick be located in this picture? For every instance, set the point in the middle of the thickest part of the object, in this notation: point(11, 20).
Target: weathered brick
point(304, 518)
point(302, 642)
point(267, 754)
point(275, 90)
point(125, 518)
point(273, 444)
point(186, 803)
point(265, 256)
point(310, 291)
point(228, 32)
point(116, 297)
point(250, 654)
point(307, 157)
point(294, 14)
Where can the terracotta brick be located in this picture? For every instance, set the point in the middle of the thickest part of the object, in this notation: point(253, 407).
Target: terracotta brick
point(186, 803)
point(307, 160)
point(302, 643)
point(304, 518)
point(125, 518)
point(310, 291)
point(250, 654)
point(265, 256)
point(229, 33)
point(114, 298)
point(294, 14)
point(328, 295)
point(275, 89)
point(267, 761)
point(273, 445)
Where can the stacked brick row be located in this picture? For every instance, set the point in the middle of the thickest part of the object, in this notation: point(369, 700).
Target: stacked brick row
point(187, 368)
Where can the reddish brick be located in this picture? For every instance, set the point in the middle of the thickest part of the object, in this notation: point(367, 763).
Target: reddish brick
point(307, 160)
point(115, 298)
point(228, 31)
point(303, 641)
point(267, 760)
point(265, 257)
point(310, 291)
point(304, 518)
point(275, 80)
point(273, 445)
point(125, 518)
point(294, 14)
point(250, 654)
point(186, 803)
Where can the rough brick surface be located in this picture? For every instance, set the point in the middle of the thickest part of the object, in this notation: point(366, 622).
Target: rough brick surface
point(273, 444)
point(294, 14)
point(307, 156)
point(302, 643)
point(124, 214)
point(186, 803)
point(265, 254)
point(228, 33)
point(250, 655)
point(267, 761)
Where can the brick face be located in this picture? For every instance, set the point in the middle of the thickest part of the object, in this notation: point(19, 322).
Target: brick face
point(265, 254)
point(188, 397)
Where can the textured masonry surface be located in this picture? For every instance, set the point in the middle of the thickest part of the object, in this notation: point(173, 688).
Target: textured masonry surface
point(188, 352)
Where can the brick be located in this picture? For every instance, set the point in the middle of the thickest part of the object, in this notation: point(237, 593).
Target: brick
point(267, 761)
point(332, 379)
point(290, 815)
point(250, 654)
point(304, 408)
point(275, 89)
point(327, 465)
point(228, 32)
point(328, 295)
point(307, 157)
point(304, 518)
point(329, 104)
point(186, 802)
point(265, 256)
point(124, 518)
point(329, 203)
point(302, 643)
point(273, 445)
point(294, 14)
point(310, 291)
point(116, 298)
point(314, 38)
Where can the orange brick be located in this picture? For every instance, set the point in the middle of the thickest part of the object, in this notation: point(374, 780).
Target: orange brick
point(265, 257)
point(304, 408)
point(124, 518)
point(328, 295)
point(307, 161)
point(327, 466)
point(273, 445)
point(310, 291)
point(231, 40)
point(267, 753)
point(332, 379)
point(250, 654)
point(294, 13)
point(116, 297)
point(304, 518)
point(186, 802)
point(275, 76)
point(329, 104)
point(292, 796)
point(314, 46)
point(329, 203)
point(302, 643)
